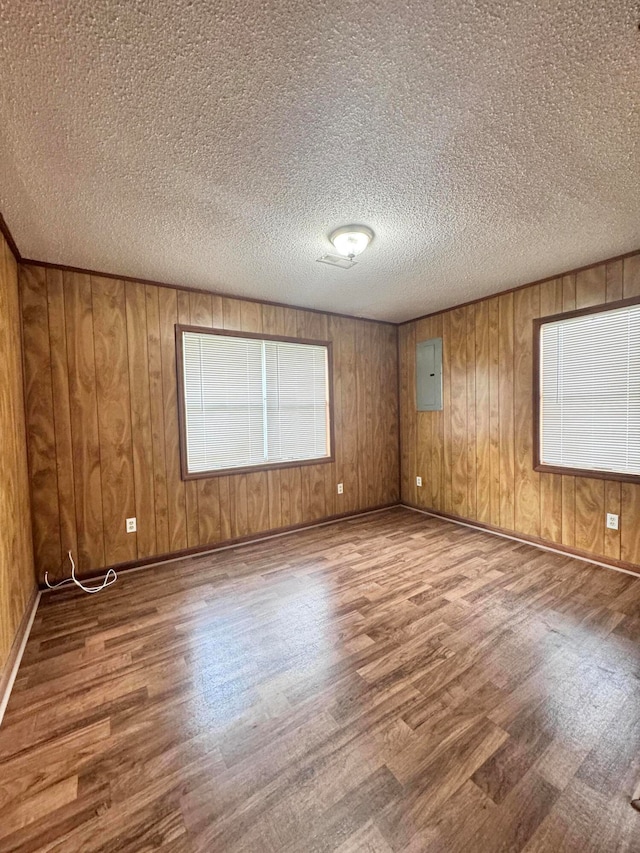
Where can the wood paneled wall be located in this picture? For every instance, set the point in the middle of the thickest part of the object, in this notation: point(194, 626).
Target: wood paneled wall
point(17, 579)
point(476, 456)
point(103, 422)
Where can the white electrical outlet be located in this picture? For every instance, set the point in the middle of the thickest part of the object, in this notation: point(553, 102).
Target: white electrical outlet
point(612, 521)
point(340, 488)
point(418, 481)
point(131, 525)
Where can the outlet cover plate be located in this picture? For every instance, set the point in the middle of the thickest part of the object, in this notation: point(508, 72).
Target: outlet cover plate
point(340, 488)
point(612, 521)
point(131, 525)
point(418, 481)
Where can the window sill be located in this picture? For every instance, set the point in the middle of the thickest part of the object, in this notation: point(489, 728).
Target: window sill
point(254, 469)
point(587, 472)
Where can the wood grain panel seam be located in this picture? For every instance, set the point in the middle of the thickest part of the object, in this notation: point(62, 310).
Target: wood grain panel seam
point(55, 431)
point(24, 395)
point(157, 458)
point(95, 385)
point(66, 363)
point(398, 396)
point(131, 419)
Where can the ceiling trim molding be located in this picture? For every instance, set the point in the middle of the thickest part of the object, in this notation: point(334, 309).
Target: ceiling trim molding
point(522, 286)
point(4, 230)
point(8, 236)
point(187, 289)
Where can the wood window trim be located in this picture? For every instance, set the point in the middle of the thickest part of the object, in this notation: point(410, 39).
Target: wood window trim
point(538, 323)
point(182, 419)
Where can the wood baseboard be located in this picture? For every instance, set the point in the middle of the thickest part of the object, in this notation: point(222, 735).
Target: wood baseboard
point(544, 544)
point(200, 550)
point(10, 669)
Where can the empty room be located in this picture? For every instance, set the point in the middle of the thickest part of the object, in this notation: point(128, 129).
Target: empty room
point(319, 426)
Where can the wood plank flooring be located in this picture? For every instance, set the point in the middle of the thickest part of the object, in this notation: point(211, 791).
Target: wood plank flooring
point(389, 683)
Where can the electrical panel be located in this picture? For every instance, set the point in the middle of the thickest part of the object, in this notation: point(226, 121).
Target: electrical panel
point(429, 375)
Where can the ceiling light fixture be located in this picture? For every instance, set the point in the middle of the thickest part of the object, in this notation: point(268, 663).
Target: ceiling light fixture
point(351, 240)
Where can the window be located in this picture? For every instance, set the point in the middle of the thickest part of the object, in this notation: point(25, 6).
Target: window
point(588, 392)
point(251, 401)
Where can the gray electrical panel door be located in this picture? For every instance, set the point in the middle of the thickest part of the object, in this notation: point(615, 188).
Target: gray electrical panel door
point(429, 375)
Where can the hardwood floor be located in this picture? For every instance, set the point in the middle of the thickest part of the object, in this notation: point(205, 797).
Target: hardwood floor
point(389, 683)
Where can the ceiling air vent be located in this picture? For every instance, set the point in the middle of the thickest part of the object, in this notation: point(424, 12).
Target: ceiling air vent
point(337, 261)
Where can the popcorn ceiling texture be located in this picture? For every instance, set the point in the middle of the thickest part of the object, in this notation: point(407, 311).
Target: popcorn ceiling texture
point(216, 144)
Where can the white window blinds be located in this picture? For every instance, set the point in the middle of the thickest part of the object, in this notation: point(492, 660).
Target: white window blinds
point(253, 402)
point(590, 391)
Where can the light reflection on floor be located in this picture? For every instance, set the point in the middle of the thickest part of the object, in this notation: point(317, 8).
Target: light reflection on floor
point(236, 657)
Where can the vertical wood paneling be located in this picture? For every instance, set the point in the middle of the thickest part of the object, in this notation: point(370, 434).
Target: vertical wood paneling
point(613, 490)
point(483, 415)
point(168, 314)
point(17, 579)
point(257, 483)
point(208, 508)
point(335, 473)
point(507, 435)
point(251, 316)
point(349, 414)
point(200, 309)
point(437, 438)
point(551, 484)
point(312, 477)
point(231, 314)
point(114, 418)
point(614, 281)
point(494, 408)
point(568, 483)
point(363, 394)
point(472, 484)
point(527, 481)
point(62, 415)
point(156, 401)
point(141, 425)
point(188, 308)
point(591, 289)
point(458, 403)
point(590, 514)
point(84, 421)
point(446, 410)
point(612, 503)
point(258, 501)
point(591, 286)
point(631, 276)
point(551, 507)
point(39, 409)
point(392, 426)
point(407, 412)
point(377, 414)
point(273, 324)
point(568, 510)
point(104, 421)
point(424, 435)
point(487, 377)
point(630, 523)
point(568, 292)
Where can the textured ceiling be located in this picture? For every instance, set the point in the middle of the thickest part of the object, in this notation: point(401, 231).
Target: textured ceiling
point(216, 144)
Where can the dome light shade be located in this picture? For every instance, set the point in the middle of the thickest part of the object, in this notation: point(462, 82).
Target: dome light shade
point(351, 240)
